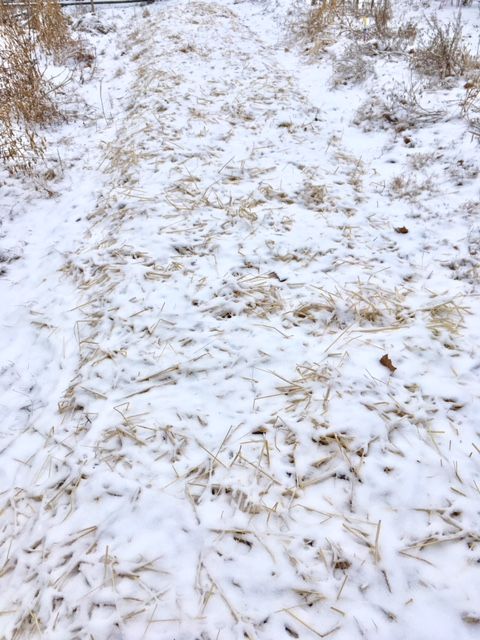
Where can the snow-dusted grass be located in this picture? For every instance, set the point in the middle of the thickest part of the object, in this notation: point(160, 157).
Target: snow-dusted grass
point(37, 57)
point(240, 347)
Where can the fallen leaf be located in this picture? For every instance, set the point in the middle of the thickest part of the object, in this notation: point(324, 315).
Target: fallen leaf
point(401, 229)
point(385, 360)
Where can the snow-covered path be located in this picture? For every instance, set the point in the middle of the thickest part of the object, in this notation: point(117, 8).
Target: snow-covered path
point(218, 451)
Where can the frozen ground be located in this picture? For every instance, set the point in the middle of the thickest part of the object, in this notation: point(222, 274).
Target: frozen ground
point(198, 438)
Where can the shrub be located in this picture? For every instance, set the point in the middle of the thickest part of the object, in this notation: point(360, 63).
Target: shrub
point(443, 52)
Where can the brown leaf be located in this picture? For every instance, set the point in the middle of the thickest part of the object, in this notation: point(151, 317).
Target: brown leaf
point(401, 229)
point(385, 360)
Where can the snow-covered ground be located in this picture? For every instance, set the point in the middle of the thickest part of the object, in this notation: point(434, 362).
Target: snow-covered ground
point(239, 346)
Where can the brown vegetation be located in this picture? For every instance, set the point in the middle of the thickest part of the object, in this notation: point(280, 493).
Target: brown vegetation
point(443, 52)
point(27, 98)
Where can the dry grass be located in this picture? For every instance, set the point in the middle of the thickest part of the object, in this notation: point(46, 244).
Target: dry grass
point(47, 20)
point(443, 52)
point(471, 100)
point(315, 25)
point(286, 476)
point(401, 109)
point(470, 105)
point(390, 35)
point(446, 315)
point(24, 97)
point(475, 128)
point(410, 188)
point(382, 14)
point(323, 23)
point(27, 98)
point(352, 67)
point(316, 197)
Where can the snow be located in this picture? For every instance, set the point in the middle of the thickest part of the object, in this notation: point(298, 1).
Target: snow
point(198, 437)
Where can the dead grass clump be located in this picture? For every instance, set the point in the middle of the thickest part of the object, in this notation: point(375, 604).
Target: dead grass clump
point(448, 316)
point(316, 197)
point(443, 52)
point(51, 26)
point(410, 188)
point(320, 25)
point(22, 86)
point(27, 98)
point(418, 161)
point(395, 40)
point(406, 32)
point(386, 38)
point(402, 108)
point(470, 106)
point(471, 99)
point(320, 18)
point(367, 303)
point(314, 26)
point(20, 147)
point(474, 128)
point(382, 14)
point(351, 67)
point(300, 391)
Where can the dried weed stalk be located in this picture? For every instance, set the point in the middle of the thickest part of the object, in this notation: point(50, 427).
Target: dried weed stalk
point(27, 98)
point(443, 52)
point(314, 26)
point(470, 103)
point(400, 109)
point(352, 67)
point(382, 14)
point(47, 20)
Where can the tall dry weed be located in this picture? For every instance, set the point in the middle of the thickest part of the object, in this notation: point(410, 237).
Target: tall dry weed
point(443, 51)
point(382, 14)
point(27, 98)
point(314, 25)
point(51, 26)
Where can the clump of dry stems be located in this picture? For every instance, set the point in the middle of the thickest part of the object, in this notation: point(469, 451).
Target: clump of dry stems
point(314, 26)
point(47, 20)
point(326, 20)
point(470, 105)
point(443, 52)
point(27, 98)
point(382, 14)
